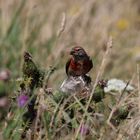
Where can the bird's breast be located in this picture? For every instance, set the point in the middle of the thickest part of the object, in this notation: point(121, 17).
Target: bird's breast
point(76, 65)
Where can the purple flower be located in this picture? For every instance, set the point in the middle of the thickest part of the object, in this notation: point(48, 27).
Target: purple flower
point(84, 130)
point(22, 100)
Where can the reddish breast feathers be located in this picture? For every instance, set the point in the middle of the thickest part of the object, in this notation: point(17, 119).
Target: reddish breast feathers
point(76, 68)
point(75, 65)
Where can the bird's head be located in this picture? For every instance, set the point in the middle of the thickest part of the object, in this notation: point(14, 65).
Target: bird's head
point(78, 53)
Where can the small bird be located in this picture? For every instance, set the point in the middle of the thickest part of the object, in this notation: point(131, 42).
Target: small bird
point(79, 64)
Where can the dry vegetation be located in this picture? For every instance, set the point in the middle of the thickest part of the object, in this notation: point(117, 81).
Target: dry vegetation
point(48, 30)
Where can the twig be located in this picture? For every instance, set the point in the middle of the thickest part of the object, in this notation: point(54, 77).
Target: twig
point(122, 93)
point(82, 107)
point(119, 103)
point(39, 126)
point(138, 78)
point(51, 70)
point(39, 109)
point(55, 112)
point(63, 24)
point(110, 116)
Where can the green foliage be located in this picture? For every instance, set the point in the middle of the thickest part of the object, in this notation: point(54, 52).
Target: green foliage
point(99, 94)
point(33, 76)
point(14, 126)
point(3, 89)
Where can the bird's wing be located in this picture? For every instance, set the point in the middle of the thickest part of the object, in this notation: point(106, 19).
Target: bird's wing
point(67, 66)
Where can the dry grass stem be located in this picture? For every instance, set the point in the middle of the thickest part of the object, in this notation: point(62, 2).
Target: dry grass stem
point(62, 27)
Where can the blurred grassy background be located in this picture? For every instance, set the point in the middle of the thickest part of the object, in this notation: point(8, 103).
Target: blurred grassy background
point(33, 25)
